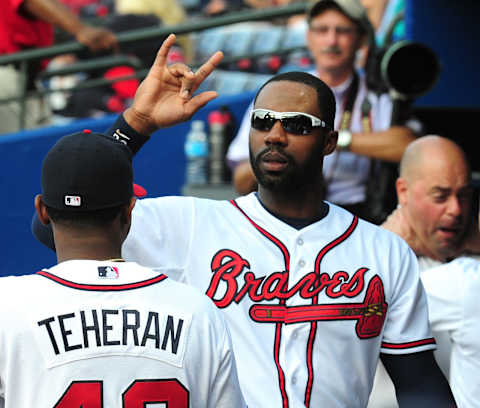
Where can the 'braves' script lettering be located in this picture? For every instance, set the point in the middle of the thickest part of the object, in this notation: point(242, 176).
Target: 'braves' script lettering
point(227, 266)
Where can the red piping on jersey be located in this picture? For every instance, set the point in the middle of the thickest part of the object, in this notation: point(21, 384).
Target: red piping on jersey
point(411, 344)
point(83, 286)
point(278, 326)
point(313, 329)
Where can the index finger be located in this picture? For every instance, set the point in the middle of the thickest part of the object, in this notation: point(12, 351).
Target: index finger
point(161, 58)
point(206, 69)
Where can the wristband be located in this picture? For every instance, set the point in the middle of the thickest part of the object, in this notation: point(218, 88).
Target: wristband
point(124, 133)
point(344, 140)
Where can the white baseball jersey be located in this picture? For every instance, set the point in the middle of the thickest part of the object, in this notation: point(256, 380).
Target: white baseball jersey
point(112, 335)
point(346, 172)
point(383, 392)
point(452, 292)
point(309, 310)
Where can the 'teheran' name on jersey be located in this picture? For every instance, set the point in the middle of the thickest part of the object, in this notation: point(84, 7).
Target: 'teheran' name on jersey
point(114, 331)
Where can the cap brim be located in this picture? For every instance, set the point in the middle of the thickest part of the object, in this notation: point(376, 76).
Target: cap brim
point(139, 191)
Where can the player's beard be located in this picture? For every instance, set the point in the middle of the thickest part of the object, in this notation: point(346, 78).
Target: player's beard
point(295, 176)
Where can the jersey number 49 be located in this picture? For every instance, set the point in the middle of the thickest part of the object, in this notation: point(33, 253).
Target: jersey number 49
point(89, 394)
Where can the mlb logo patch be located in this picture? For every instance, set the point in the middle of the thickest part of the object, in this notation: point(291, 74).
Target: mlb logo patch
point(108, 272)
point(73, 201)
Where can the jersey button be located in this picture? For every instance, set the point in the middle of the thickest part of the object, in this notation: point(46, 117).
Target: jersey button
point(300, 241)
point(294, 380)
point(302, 263)
point(295, 335)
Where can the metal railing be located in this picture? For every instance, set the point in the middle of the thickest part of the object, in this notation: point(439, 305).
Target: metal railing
point(23, 58)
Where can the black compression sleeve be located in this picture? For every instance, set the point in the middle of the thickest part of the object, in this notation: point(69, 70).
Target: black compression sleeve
point(122, 131)
point(418, 381)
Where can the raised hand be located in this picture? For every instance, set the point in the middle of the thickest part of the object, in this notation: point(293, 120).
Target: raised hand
point(165, 96)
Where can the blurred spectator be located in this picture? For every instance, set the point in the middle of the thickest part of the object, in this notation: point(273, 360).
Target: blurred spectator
point(115, 97)
point(375, 10)
point(93, 102)
point(90, 9)
point(218, 7)
point(337, 30)
point(26, 24)
point(169, 12)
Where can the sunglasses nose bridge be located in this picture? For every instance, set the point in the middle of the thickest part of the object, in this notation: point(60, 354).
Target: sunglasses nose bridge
point(276, 134)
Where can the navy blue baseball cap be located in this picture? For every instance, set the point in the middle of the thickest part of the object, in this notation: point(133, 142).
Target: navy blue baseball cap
point(88, 171)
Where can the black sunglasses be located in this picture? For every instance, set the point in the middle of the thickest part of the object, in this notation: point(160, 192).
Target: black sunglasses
point(297, 123)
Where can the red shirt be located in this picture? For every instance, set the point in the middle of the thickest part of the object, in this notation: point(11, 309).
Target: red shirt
point(18, 32)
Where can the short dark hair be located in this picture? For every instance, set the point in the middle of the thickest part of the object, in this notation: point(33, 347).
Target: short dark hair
point(325, 97)
point(86, 219)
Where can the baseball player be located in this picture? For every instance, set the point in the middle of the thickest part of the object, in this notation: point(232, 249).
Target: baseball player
point(452, 293)
point(336, 31)
point(312, 295)
point(94, 330)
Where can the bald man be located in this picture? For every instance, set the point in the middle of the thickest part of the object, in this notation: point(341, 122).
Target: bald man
point(434, 195)
point(434, 217)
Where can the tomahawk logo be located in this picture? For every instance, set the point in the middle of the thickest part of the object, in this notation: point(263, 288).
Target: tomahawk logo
point(228, 266)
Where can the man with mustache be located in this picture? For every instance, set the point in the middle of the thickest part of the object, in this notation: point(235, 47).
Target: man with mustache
point(337, 30)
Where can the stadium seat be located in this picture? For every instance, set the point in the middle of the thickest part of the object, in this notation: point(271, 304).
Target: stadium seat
point(209, 41)
point(231, 82)
point(268, 40)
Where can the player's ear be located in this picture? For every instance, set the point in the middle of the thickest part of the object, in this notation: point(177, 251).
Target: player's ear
point(131, 205)
point(330, 142)
point(127, 215)
point(41, 210)
point(402, 188)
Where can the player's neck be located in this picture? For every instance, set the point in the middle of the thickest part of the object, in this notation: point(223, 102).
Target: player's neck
point(87, 247)
point(98, 254)
point(298, 204)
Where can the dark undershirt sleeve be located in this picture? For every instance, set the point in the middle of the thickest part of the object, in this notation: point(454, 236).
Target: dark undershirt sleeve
point(418, 381)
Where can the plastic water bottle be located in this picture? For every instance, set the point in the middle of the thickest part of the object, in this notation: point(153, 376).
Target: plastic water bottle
point(196, 151)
